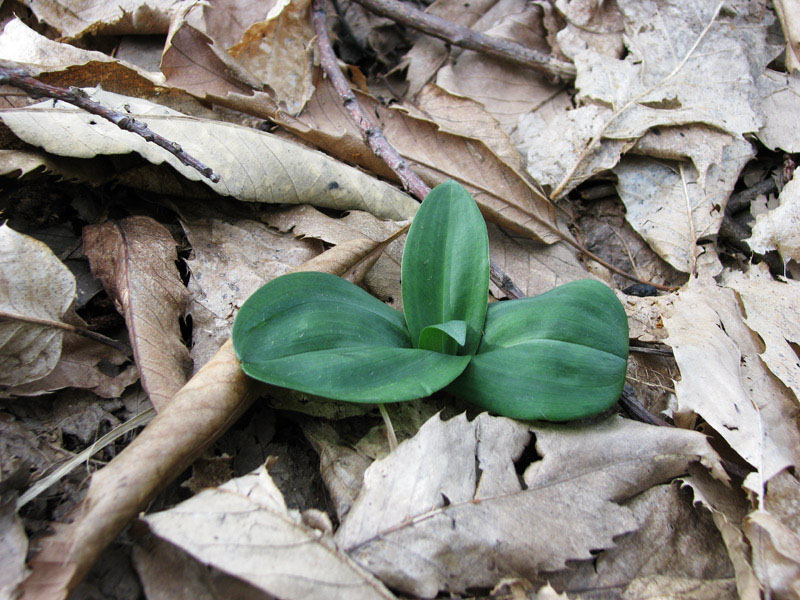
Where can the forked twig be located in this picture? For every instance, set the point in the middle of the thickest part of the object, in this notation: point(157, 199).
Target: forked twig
point(23, 80)
point(462, 36)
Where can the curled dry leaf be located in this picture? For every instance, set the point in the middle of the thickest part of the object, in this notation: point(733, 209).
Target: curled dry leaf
point(435, 528)
point(724, 380)
point(779, 228)
point(135, 260)
point(253, 165)
point(776, 549)
point(264, 543)
point(33, 283)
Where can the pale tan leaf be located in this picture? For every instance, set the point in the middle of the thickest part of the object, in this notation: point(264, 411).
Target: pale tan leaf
point(135, 260)
point(728, 511)
point(157, 567)
point(262, 542)
point(33, 283)
point(74, 18)
point(278, 51)
point(592, 24)
point(466, 519)
point(673, 207)
point(19, 163)
point(776, 552)
point(783, 499)
point(779, 93)
point(685, 554)
point(253, 165)
point(772, 310)
point(13, 550)
point(779, 228)
point(231, 259)
point(724, 380)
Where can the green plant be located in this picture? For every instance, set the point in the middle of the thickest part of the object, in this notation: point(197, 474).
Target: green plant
point(558, 356)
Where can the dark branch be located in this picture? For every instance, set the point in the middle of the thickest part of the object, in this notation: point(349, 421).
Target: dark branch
point(23, 80)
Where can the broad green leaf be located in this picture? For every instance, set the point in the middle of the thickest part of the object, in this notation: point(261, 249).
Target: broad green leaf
point(322, 335)
point(445, 271)
point(558, 356)
point(444, 337)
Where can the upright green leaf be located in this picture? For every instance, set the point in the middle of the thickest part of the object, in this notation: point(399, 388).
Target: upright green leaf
point(558, 356)
point(319, 334)
point(445, 269)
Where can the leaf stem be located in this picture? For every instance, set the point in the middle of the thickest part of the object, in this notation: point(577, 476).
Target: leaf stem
point(23, 80)
point(82, 331)
point(390, 435)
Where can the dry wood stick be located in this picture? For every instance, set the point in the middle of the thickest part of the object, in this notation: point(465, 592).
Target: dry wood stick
point(23, 80)
point(462, 36)
point(82, 331)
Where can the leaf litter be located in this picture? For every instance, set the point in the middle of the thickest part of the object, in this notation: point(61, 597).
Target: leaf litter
point(669, 104)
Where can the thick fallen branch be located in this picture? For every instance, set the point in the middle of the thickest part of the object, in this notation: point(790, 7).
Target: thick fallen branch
point(23, 80)
point(464, 37)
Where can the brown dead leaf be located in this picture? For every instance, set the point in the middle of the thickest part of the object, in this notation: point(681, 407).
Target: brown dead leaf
point(467, 519)
point(231, 259)
point(135, 260)
point(75, 19)
point(160, 561)
point(279, 52)
point(263, 542)
point(685, 556)
point(34, 284)
point(724, 380)
point(776, 549)
point(13, 550)
point(514, 91)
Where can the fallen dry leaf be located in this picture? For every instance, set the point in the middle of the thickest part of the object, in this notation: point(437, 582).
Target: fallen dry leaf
point(790, 23)
point(158, 563)
point(279, 52)
point(13, 550)
point(779, 228)
point(135, 260)
point(34, 284)
point(231, 259)
point(262, 542)
point(253, 165)
point(75, 19)
point(685, 554)
point(724, 380)
point(408, 521)
point(781, 128)
point(596, 25)
point(204, 408)
point(776, 549)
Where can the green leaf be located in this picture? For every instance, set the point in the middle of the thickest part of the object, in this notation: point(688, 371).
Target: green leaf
point(444, 337)
point(558, 356)
point(445, 271)
point(319, 334)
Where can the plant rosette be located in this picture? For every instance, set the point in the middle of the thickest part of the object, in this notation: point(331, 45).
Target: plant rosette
point(558, 356)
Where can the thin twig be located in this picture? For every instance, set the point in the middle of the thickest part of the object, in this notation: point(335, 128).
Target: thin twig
point(82, 331)
point(36, 89)
point(655, 350)
point(636, 409)
point(462, 36)
point(598, 136)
